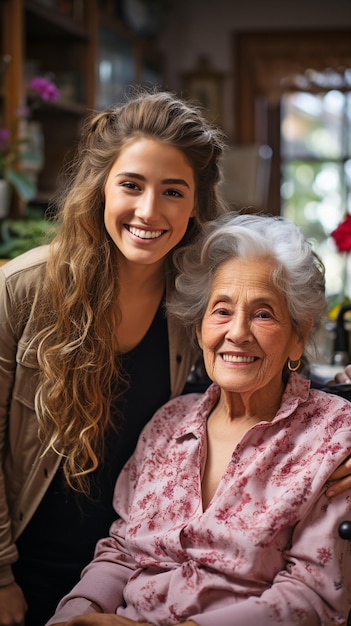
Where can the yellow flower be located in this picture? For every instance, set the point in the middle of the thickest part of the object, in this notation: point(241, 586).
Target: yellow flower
point(334, 312)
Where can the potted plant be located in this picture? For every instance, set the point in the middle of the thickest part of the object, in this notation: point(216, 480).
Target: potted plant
point(14, 149)
point(10, 173)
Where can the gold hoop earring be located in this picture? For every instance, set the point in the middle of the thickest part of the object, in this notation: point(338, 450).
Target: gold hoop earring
point(293, 366)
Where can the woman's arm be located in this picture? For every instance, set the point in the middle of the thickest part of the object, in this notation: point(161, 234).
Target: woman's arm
point(342, 475)
point(12, 603)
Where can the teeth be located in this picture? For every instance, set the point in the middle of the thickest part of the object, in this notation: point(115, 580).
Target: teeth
point(145, 234)
point(238, 359)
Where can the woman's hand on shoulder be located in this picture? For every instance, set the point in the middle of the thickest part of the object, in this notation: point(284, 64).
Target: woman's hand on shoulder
point(13, 606)
point(342, 476)
point(342, 377)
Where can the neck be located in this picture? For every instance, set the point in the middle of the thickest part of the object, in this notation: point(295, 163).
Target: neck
point(140, 278)
point(255, 406)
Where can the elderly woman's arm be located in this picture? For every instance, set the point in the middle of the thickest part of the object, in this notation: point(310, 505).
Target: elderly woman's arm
point(311, 590)
point(314, 588)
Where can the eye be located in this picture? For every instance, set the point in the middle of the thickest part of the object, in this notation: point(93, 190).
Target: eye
point(128, 184)
point(174, 193)
point(221, 312)
point(264, 315)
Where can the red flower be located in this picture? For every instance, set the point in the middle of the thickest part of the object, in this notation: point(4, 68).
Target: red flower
point(342, 235)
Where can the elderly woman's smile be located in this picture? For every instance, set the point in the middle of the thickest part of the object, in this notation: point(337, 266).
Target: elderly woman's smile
point(237, 358)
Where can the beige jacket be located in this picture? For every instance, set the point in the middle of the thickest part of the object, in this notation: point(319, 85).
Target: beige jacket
point(25, 474)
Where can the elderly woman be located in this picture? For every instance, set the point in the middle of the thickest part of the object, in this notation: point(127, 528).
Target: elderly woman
point(224, 517)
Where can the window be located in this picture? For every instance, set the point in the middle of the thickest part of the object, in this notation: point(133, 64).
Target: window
point(315, 155)
point(293, 93)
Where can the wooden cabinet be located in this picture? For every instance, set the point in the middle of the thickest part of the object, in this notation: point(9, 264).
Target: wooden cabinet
point(67, 41)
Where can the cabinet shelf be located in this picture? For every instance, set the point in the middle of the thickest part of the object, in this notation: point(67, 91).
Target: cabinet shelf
point(45, 22)
point(64, 41)
point(64, 107)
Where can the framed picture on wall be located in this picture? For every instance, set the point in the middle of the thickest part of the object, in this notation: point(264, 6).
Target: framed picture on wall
point(204, 85)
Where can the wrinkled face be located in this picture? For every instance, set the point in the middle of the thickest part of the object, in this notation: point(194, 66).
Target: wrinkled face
point(149, 198)
point(246, 333)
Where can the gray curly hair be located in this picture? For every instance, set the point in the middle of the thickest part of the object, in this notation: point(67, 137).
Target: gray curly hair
point(298, 273)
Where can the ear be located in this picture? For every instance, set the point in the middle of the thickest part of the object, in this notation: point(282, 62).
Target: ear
point(193, 212)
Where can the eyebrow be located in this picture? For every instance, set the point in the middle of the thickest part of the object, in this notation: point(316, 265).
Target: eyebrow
point(166, 181)
point(267, 299)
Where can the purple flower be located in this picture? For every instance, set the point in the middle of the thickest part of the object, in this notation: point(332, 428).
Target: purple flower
point(44, 88)
point(39, 90)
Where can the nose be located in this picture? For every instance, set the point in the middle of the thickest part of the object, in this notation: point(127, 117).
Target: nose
point(147, 208)
point(239, 328)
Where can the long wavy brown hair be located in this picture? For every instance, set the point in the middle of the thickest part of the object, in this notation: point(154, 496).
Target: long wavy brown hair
point(78, 305)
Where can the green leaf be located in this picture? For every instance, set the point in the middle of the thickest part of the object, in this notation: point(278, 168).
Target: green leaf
point(25, 187)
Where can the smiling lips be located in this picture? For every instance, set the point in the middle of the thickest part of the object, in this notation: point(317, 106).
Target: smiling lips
point(232, 358)
point(144, 234)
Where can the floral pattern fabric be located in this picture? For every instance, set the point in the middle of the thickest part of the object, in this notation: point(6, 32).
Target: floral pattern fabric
point(266, 549)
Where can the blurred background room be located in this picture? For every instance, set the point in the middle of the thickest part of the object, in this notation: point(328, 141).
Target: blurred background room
point(275, 75)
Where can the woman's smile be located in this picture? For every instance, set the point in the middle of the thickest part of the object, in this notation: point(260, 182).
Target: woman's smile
point(142, 233)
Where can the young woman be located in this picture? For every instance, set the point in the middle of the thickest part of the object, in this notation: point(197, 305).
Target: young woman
point(87, 355)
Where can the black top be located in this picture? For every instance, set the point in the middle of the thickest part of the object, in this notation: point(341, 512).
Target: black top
point(60, 538)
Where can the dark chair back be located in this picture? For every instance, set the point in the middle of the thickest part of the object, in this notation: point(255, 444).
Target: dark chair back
point(345, 533)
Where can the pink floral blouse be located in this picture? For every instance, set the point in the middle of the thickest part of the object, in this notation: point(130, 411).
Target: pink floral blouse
point(266, 551)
